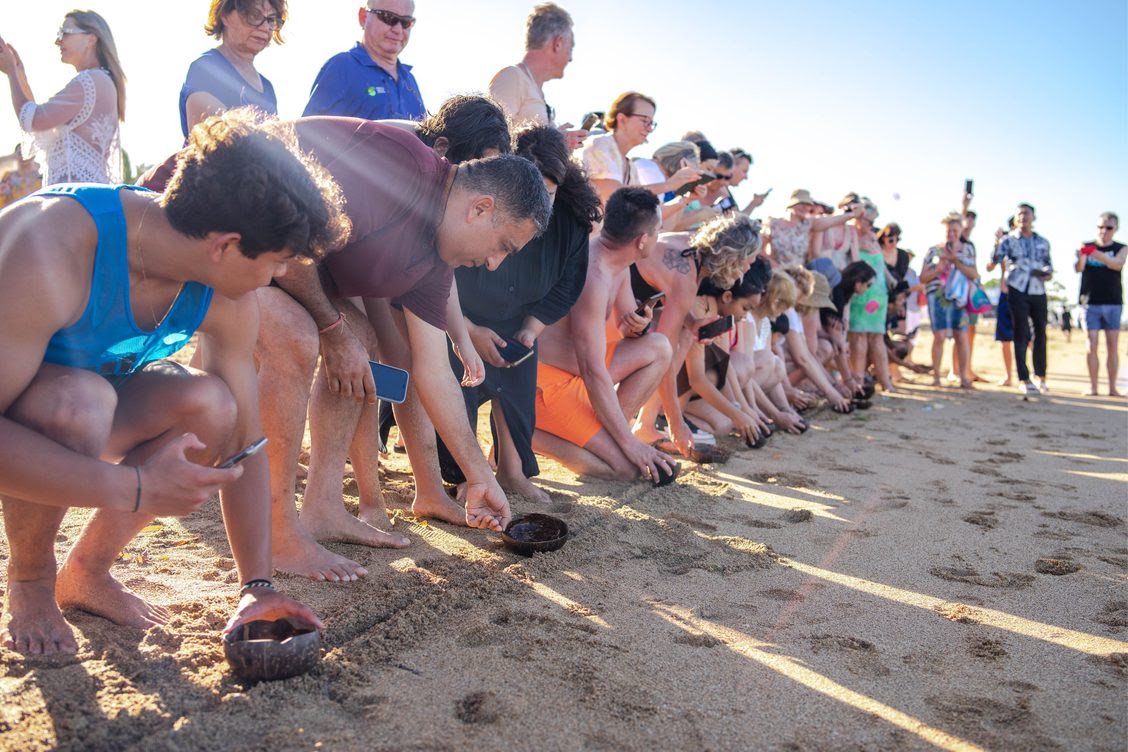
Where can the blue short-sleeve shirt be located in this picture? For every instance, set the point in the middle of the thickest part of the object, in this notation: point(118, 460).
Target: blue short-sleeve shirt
point(351, 84)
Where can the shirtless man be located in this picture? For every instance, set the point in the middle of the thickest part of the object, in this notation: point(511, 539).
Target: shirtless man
point(97, 285)
point(722, 250)
point(582, 420)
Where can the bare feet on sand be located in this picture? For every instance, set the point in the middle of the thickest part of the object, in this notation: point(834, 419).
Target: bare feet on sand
point(296, 552)
point(522, 486)
point(34, 624)
point(340, 525)
point(445, 509)
point(100, 594)
point(1004, 382)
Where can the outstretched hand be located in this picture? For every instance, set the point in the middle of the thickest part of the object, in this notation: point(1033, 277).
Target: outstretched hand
point(486, 506)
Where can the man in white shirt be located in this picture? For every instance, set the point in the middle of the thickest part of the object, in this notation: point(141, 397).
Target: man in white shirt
point(548, 50)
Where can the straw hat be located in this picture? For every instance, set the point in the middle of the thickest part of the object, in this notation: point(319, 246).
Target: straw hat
point(800, 196)
point(820, 296)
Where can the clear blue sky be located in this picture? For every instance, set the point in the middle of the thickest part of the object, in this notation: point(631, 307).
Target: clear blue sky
point(1029, 98)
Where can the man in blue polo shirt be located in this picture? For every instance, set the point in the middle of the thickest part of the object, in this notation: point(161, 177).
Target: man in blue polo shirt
point(369, 81)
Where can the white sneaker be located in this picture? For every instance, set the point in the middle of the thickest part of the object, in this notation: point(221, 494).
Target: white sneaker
point(1027, 389)
point(1043, 387)
point(703, 437)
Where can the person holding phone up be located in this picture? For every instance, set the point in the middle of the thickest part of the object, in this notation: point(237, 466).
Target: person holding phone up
point(100, 285)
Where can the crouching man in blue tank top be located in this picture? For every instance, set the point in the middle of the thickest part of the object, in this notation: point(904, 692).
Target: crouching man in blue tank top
point(97, 285)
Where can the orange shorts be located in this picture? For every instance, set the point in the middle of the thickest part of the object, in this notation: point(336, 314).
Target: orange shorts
point(563, 406)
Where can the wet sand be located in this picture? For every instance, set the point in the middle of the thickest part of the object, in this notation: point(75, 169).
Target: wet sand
point(946, 570)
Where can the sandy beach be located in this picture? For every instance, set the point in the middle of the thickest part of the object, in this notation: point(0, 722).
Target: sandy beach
point(946, 570)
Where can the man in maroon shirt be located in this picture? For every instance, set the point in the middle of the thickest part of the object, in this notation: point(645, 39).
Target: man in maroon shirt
point(383, 295)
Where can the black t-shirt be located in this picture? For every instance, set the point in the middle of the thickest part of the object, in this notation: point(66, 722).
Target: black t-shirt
point(1099, 284)
point(901, 267)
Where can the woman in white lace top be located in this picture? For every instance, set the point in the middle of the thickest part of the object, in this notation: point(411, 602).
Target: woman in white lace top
point(76, 131)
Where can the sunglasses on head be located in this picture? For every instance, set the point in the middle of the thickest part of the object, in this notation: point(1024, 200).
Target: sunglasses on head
point(388, 18)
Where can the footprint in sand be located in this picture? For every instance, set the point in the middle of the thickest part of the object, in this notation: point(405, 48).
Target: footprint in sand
point(983, 519)
point(861, 655)
point(1004, 580)
point(478, 708)
point(1114, 614)
point(986, 648)
point(1058, 567)
point(696, 640)
point(798, 515)
point(782, 594)
point(1097, 519)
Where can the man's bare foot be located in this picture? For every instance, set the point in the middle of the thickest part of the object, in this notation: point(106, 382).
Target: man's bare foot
point(375, 514)
point(340, 525)
point(100, 594)
point(522, 486)
point(1090, 393)
point(966, 384)
point(1114, 393)
point(444, 509)
point(296, 552)
point(935, 381)
point(648, 434)
point(1005, 382)
point(34, 624)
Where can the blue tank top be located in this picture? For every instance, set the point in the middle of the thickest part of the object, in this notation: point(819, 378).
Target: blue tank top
point(106, 340)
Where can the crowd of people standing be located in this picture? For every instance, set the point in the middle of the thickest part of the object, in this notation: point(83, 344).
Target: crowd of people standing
point(621, 315)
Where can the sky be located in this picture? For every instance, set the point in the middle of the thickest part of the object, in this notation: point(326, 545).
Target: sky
point(898, 101)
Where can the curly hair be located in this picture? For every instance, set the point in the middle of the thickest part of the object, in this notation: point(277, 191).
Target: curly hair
point(724, 244)
point(471, 124)
point(237, 175)
point(545, 147)
point(782, 292)
point(803, 279)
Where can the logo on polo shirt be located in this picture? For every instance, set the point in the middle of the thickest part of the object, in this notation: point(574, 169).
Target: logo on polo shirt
point(374, 90)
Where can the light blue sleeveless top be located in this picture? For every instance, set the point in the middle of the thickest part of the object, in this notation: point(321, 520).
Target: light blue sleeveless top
point(106, 340)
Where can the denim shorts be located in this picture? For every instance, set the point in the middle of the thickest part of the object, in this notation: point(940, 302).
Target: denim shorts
point(1102, 317)
point(946, 316)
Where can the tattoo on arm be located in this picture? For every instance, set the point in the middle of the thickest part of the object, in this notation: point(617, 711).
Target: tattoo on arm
point(675, 261)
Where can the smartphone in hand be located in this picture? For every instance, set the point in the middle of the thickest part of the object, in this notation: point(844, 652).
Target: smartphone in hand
point(242, 454)
point(391, 382)
point(968, 185)
point(651, 303)
point(720, 326)
point(514, 353)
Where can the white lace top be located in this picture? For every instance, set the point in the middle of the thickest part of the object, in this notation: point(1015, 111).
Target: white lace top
point(76, 133)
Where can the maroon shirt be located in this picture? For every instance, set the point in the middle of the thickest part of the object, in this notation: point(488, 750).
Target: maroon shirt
point(395, 191)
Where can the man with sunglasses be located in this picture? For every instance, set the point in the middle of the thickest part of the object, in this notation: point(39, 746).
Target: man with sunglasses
point(369, 81)
point(1101, 262)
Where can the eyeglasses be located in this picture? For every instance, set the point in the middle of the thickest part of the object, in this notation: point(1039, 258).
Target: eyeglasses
point(647, 121)
point(722, 176)
point(68, 32)
point(257, 19)
point(391, 19)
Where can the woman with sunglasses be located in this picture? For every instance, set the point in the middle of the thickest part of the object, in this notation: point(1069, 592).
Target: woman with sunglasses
point(76, 132)
point(225, 76)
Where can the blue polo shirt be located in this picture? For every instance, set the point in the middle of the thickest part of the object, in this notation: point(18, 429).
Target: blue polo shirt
point(351, 84)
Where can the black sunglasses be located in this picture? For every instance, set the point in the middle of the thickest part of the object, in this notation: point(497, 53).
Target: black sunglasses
point(1106, 227)
point(391, 19)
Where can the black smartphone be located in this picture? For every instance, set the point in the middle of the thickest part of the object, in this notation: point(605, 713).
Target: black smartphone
point(391, 382)
point(590, 120)
point(968, 185)
point(706, 177)
point(242, 454)
point(651, 303)
point(720, 326)
point(514, 353)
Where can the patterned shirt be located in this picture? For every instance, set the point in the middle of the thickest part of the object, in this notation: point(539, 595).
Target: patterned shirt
point(1025, 256)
